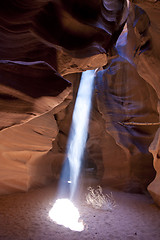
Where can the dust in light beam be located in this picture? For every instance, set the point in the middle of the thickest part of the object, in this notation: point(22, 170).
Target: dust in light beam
point(63, 211)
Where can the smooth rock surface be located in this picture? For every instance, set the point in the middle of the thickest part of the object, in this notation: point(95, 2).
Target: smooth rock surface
point(41, 40)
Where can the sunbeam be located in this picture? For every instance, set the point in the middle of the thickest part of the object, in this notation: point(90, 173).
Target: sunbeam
point(63, 211)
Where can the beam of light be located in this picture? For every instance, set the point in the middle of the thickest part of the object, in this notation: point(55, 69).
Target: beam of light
point(79, 128)
point(63, 211)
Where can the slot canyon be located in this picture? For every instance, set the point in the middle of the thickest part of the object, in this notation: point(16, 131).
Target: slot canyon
point(45, 46)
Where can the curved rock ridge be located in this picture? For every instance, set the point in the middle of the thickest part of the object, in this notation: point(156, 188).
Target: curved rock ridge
point(148, 65)
point(24, 153)
point(34, 38)
point(28, 89)
point(128, 99)
point(42, 37)
point(28, 26)
point(26, 156)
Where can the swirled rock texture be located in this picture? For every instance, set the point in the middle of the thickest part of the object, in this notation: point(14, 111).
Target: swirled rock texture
point(42, 45)
point(39, 40)
point(128, 99)
point(148, 65)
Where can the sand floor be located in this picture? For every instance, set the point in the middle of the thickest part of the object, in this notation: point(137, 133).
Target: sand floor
point(24, 216)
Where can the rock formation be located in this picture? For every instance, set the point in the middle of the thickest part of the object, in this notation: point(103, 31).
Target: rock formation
point(44, 47)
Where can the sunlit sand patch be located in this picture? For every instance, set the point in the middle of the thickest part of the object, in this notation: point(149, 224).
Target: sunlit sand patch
point(65, 213)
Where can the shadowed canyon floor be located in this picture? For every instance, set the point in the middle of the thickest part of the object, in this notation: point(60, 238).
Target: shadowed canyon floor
point(24, 216)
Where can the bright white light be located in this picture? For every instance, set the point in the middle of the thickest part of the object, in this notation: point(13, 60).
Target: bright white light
point(79, 127)
point(65, 213)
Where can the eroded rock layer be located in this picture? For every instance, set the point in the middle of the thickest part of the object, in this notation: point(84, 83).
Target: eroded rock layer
point(42, 42)
point(37, 39)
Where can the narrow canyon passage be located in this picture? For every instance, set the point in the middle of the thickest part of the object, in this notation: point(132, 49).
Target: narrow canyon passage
point(45, 46)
